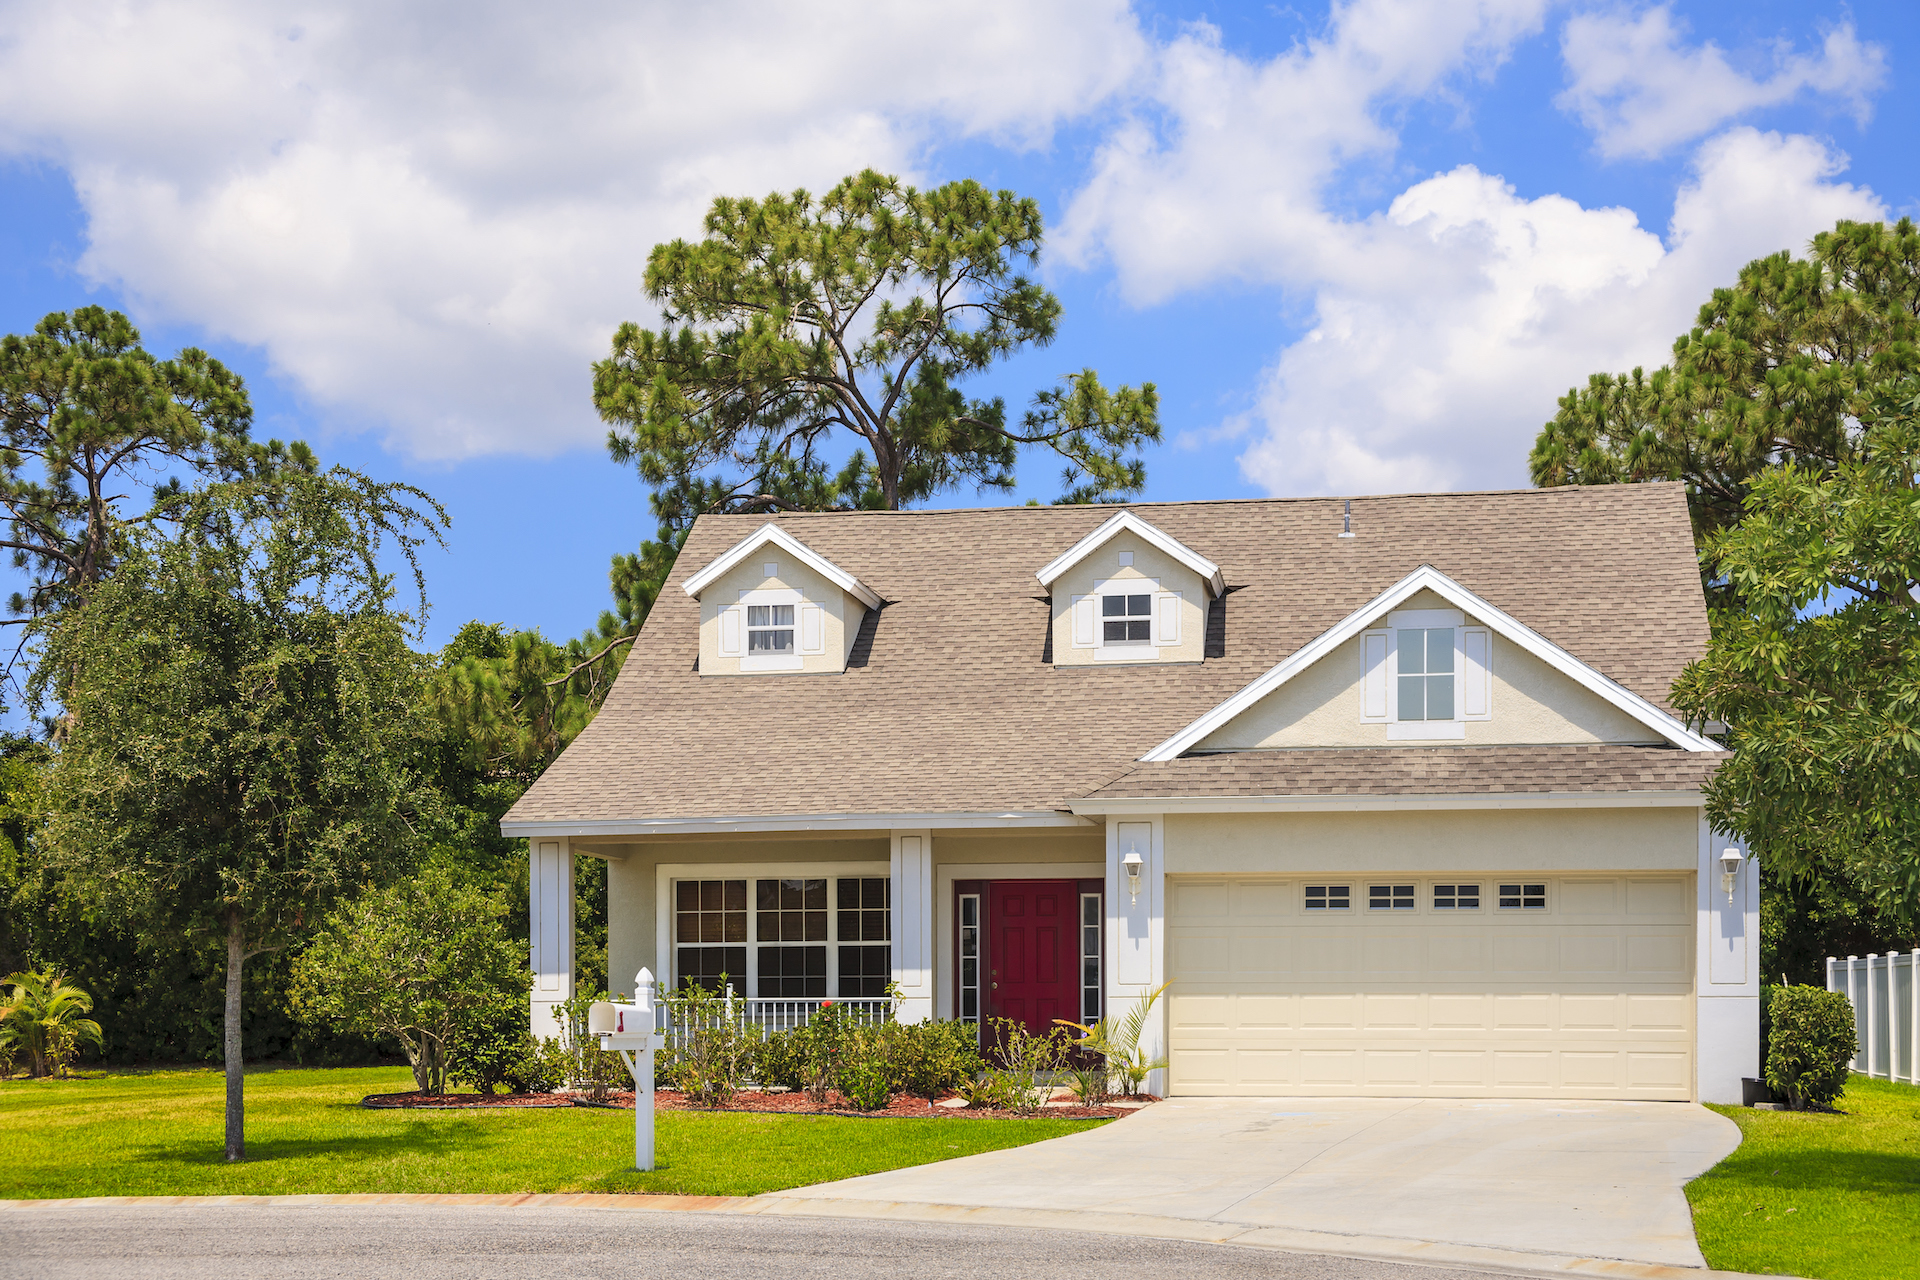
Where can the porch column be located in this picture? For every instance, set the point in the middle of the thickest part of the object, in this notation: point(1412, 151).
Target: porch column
point(1727, 975)
point(911, 869)
point(1136, 934)
point(550, 930)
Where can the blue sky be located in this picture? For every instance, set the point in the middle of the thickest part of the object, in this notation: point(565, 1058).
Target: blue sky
point(1359, 249)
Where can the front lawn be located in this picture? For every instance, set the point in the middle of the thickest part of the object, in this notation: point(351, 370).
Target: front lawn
point(1822, 1196)
point(160, 1134)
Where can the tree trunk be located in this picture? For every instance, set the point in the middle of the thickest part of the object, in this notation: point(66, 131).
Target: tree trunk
point(236, 1081)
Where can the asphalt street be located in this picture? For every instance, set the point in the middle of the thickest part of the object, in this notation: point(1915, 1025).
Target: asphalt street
point(409, 1242)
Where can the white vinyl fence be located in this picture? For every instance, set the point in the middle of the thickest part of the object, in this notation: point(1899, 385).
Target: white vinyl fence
point(1886, 1011)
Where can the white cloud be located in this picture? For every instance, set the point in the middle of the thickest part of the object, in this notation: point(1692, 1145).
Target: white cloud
point(432, 216)
point(1444, 327)
point(1440, 376)
point(1642, 90)
point(1220, 174)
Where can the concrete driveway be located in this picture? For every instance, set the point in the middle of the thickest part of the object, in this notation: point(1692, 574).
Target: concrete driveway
point(1525, 1184)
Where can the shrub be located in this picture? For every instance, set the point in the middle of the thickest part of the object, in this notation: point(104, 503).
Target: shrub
point(779, 1061)
point(427, 961)
point(41, 1020)
point(1028, 1063)
point(712, 1046)
point(1117, 1041)
point(863, 1079)
point(1811, 1044)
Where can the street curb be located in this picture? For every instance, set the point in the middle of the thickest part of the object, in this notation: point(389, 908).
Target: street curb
point(1456, 1257)
point(1244, 1234)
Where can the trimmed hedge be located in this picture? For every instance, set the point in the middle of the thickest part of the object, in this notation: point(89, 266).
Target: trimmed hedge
point(1810, 1045)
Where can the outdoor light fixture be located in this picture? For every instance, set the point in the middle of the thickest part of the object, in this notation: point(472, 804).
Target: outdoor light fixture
point(1133, 862)
point(1730, 860)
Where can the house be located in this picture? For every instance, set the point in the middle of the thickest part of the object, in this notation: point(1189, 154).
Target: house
point(1388, 792)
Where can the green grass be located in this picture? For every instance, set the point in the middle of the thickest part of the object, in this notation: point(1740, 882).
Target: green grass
point(160, 1134)
point(1822, 1196)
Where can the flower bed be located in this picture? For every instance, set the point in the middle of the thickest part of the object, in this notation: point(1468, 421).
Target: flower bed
point(790, 1103)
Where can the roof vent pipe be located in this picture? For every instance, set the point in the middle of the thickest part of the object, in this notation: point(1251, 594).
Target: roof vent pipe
point(1346, 521)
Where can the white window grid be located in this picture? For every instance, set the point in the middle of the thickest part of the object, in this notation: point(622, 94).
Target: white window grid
point(970, 957)
point(1126, 618)
point(770, 630)
point(1390, 897)
point(748, 943)
point(1328, 897)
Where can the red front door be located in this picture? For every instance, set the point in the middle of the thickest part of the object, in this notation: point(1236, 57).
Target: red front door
point(1032, 963)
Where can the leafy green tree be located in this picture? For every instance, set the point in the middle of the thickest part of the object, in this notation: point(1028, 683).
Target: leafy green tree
point(87, 418)
point(427, 961)
point(245, 718)
point(1778, 368)
point(860, 312)
point(42, 1019)
point(1823, 708)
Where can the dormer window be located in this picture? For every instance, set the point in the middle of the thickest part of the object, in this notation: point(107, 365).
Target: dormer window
point(770, 629)
point(1126, 619)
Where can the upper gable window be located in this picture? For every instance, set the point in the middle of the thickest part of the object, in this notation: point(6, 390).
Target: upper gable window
point(1426, 675)
point(1128, 619)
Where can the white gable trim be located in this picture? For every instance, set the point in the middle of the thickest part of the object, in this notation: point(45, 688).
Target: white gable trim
point(1127, 522)
point(772, 533)
point(1428, 578)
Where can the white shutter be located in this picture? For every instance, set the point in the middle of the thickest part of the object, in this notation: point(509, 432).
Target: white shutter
point(732, 626)
point(1476, 673)
point(810, 641)
point(1166, 617)
point(1373, 675)
point(1083, 621)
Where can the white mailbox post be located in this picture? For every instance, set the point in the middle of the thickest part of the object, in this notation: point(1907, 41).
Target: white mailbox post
point(627, 1029)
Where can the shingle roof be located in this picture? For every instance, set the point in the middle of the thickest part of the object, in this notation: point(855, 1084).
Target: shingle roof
point(1417, 771)
point(949, 708)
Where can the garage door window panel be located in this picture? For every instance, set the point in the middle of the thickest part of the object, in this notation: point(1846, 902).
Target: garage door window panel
point(1328, 897)
point(1389, 897)
point(1523, 897)
point(1456, 897)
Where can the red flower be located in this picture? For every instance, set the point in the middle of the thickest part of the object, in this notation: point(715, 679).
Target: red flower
point(826, 1004)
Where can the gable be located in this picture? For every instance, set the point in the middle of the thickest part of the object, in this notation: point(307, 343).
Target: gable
point(1529, 703)
point(825, 620)
point(1129, 565)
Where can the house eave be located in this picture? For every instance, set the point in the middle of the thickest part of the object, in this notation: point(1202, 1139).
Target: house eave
point(1678, 798)
point(643, 828)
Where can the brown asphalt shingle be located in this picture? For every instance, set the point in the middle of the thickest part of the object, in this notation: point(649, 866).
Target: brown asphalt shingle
point(954, 711)
point(1411, 771)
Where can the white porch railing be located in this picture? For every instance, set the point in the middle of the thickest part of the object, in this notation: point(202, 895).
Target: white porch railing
point(1885, 995)
point(772, 1015)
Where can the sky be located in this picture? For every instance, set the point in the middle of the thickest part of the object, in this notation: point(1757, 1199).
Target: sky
point(1358, 249)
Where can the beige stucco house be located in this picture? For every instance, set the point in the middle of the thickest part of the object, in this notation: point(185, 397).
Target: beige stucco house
point(1388, 794)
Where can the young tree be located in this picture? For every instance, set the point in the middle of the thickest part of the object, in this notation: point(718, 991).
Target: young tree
point(245, 718)
point(1823, 709)
point(427, 961)
point(1778, 368)
point(859, 312)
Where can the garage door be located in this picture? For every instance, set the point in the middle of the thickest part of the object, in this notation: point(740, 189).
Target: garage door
point(1492, 985)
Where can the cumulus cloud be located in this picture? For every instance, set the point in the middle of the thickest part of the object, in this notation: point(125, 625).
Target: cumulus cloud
point(1219, 172)
point(1643, 90)
point(1442, 328)
point(1441, 377)
point(431, 216)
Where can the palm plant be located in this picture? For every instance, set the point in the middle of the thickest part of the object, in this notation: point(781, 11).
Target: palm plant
point(1117, 1041)
point(42, 1020)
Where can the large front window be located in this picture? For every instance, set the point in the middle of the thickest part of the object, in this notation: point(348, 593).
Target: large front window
point(810, 938)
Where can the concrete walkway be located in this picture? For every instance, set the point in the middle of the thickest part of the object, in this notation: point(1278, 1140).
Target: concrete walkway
point(1583, 1187)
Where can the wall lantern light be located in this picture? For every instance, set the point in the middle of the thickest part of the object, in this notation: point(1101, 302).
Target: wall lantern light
point(1132, 863)
point(1730, 860)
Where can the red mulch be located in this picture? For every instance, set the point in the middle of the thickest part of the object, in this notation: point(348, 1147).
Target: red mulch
point(795, 1103)
point(417, 1101)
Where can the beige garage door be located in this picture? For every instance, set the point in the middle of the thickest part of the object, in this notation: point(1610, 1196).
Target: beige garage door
point(1578, 987)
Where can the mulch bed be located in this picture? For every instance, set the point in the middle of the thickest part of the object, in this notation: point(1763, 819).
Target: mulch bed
point(901, 1107)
